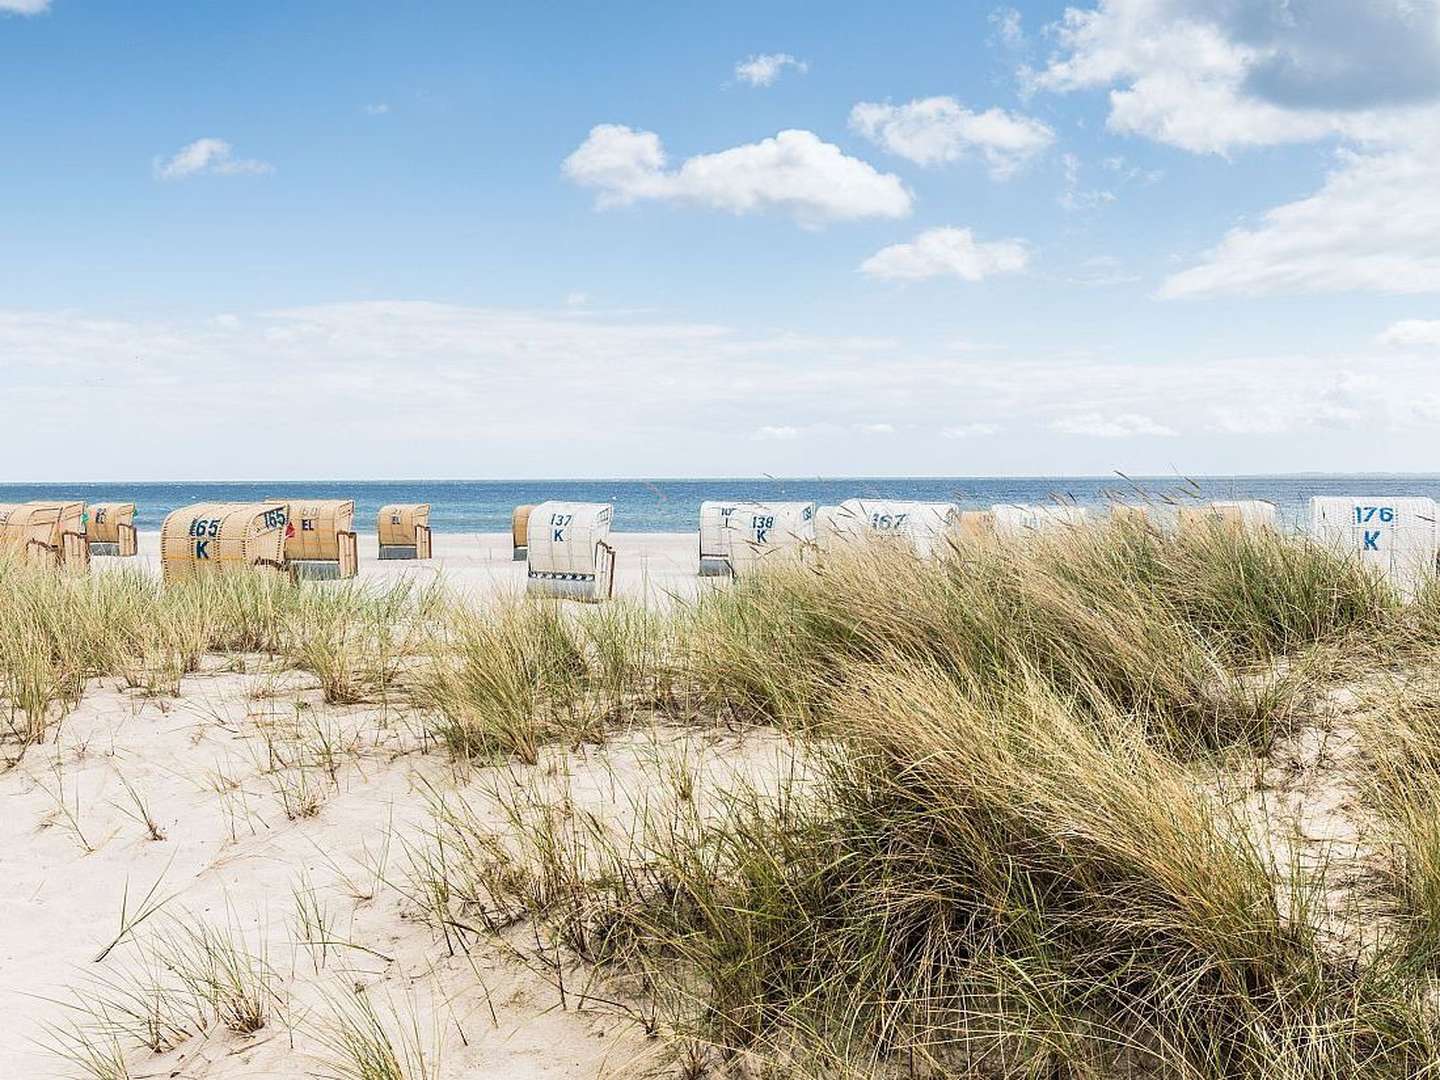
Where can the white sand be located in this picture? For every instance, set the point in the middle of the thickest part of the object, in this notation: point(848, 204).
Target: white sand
point(655, 567)
point(70, 852)
point(233, 860)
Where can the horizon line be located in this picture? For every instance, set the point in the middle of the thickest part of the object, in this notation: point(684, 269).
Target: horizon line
point(1118, 476)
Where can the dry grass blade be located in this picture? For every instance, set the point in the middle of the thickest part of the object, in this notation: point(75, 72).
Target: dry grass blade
point(363, 1045)
point(130, 920)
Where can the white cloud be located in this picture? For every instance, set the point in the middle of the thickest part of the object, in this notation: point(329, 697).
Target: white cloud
point(1412, 332)
point(976, 430)
point(1131, 173)
point(764, 68)
point(1342, 401)
point(947, 252)
point(1102, 271)
point(25, 7)
point(877, 429)
point(1351, 400)
point(1211, 76)
point(1071, 164)
point(794, 172)
point(623, 164)
point(1372, 226)
point(207, 156)
point(1214, 76)
point(1008, 27)
point(932, 131)
point(1182, 77)
point(446, 390)
point(1086, 200)
point(1122, 426)
point(1425, 411)
point(380, 108)
point(1122, 174)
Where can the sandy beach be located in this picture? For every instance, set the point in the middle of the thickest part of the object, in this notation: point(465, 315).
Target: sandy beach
point(654, 567)
point(232, 858)
point(72, 853)
point(279, 832)
point(232, 854)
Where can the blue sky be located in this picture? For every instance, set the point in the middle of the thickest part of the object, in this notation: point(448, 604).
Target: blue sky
point(448, 239)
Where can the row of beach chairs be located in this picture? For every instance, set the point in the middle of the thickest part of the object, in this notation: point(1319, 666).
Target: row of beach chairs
point(66, 534)
point(567, 550)
point(1396, 536)
point(313, 539)
point(566, 545)
point(734, 535)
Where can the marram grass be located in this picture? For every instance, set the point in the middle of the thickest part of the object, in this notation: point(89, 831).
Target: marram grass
point(1004, 853)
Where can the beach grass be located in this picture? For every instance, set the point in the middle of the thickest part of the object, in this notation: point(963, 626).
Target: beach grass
point(1015, 836)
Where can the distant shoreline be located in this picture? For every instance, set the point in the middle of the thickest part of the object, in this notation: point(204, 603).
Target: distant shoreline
point(1111, 477)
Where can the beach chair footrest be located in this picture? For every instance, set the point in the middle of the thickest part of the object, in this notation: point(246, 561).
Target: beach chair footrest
point(316, 569)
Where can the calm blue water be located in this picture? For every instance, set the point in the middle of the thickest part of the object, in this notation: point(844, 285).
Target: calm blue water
point(673, 505)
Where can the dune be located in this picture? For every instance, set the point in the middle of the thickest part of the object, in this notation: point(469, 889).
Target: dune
point(240, 844)
point(1107, 802)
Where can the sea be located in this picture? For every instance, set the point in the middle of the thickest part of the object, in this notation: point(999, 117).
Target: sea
point(673, 505)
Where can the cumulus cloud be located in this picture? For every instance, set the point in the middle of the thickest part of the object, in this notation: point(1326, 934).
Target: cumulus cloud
point(781, 432)
point(25, 7)
point(1408, 333)
point(1341, 54)
point(1179, 76)
point(794, 172)
point(207, 156)
point(1372, 226)
point(936, 130)
point(379, 108)
point(1215, 75)
point(765, 68)
point(1123, 426)
point(947, 252)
